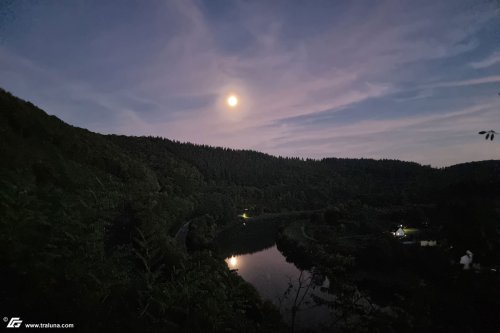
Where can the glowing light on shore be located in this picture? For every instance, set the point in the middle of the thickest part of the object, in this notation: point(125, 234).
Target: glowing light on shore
point(233, 262)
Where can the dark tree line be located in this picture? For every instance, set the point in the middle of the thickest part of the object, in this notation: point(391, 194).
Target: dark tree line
point(87, 220)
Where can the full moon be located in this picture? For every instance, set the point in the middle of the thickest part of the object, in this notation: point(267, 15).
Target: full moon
point(232, 101)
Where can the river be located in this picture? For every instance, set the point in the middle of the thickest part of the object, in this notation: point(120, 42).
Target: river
point(269, 272)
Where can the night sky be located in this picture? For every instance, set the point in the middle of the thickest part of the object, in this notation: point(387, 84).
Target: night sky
point(410, 80)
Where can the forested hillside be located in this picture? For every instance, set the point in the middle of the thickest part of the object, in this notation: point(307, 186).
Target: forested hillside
point(85, 232)
point(87, 220)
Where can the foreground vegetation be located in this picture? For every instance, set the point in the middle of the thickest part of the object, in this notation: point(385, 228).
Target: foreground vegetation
point(87, 222)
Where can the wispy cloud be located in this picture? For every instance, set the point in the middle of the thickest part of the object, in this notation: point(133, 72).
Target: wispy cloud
point(487, 62)
point(402, 138)
point(468, 82)
point(336, 78)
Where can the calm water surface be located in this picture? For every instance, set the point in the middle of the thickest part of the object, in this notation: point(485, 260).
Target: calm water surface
point(269, 272)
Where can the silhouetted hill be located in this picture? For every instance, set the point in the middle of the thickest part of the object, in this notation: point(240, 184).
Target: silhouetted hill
point(86, 220)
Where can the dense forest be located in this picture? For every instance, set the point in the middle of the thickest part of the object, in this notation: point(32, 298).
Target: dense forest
point(87, 221)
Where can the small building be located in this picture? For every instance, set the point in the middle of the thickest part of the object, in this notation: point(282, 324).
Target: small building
point(400, 232)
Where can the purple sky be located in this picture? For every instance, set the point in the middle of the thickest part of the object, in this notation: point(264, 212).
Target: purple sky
point(411, 80)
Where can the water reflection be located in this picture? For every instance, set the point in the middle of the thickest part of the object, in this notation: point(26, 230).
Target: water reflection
point(280, 281)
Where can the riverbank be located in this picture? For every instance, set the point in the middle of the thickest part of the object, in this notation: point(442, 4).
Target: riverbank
point(373, 278)
point(404, 288)
point(254, 233)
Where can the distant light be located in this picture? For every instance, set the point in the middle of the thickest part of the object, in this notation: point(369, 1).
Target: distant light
point(232, 101)
point(233, 261)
